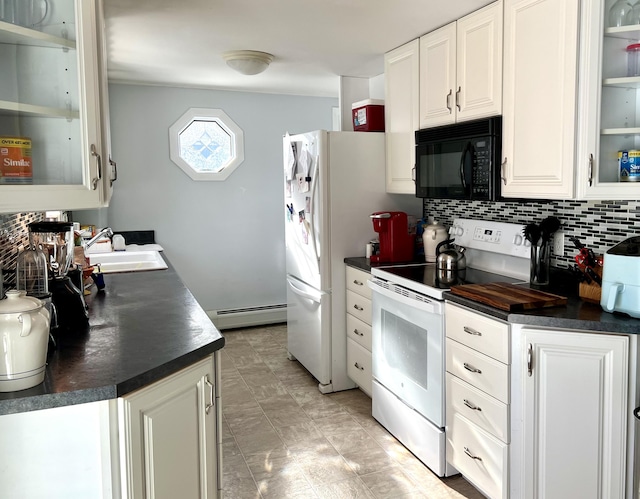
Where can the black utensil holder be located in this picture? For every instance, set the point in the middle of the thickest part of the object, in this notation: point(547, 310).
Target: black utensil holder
point(540, 264)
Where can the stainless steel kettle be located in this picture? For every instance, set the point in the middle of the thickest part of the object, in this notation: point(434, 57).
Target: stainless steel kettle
point(450, 258)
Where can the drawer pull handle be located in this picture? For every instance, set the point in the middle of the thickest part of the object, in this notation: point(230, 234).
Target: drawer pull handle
point(468, 453)
point(472, 331)
point(471, 406)
point(358, 367)
point(358, 332)
point(210, 404)
point(469, 367)
point(358, 307)
point(358, 283)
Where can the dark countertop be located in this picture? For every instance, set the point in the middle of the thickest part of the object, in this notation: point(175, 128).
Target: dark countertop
point(143, 327)
point(577, 314)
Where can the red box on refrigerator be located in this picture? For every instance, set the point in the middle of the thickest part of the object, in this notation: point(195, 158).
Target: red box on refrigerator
point(368, 115)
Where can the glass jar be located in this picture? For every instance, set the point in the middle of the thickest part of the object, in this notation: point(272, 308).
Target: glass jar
point(633, 59)
point(618, 13)
point(633, 16)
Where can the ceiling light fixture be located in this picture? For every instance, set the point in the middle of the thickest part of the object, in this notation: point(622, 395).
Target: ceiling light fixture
point(248, 62)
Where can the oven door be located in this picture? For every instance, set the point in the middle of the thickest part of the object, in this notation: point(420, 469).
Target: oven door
point(408, 350)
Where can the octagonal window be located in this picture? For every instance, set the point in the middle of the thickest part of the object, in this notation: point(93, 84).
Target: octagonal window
point(206, 144)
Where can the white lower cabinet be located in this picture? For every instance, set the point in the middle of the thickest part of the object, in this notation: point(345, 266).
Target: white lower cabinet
point(359, 362)
point(478, 399)
point(169, 436)
point(161, 441)
point(574, 414)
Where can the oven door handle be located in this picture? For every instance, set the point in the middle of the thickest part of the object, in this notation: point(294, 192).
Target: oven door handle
point(434, 307)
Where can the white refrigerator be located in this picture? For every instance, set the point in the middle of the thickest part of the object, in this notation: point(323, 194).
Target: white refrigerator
point(333, 182)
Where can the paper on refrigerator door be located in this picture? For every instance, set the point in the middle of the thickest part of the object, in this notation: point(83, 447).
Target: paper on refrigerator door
point(289, 154)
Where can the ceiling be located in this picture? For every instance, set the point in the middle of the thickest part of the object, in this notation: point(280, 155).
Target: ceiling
point(180, 43)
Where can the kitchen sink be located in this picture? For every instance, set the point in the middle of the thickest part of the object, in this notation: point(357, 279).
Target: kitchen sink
point(127, 261)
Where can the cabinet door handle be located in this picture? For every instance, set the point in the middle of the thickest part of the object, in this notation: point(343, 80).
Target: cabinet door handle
point(468, 453)
point(358, 307)
point(358, 366)
point(470, 368)
point(358, 283)
point(503, 169)
point(472, 331)
point(358, 332)
point(530, 359)
point(413, 173)
point(458, 98)
point(449, 100)
point(97, 179)
point(114, 169)
point(470, 405)
point(209, 406)
point(590, 170)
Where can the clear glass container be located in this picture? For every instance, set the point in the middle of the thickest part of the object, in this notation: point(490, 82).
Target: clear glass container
point(633, 16)
point(633, 59)
point(56, 241)
point(31, 273)
point(618, 13)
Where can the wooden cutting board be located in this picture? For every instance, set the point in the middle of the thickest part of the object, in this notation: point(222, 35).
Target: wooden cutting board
point(508, 297)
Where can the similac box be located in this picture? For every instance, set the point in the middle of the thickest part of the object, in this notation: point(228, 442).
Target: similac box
point(15, 160)
point(368, 115)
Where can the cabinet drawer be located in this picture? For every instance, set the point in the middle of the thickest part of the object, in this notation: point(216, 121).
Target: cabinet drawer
point(478, 407)
point(359, 306)
point(359, 365)
point(481, 458)
point(478, 370)
point(359, 331)
point(477, 331)
point(357, 281)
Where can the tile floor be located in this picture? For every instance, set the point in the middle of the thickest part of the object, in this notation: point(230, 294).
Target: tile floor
point(283, 439)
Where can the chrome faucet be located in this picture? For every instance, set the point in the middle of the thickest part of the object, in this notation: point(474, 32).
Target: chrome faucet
point(102, 232)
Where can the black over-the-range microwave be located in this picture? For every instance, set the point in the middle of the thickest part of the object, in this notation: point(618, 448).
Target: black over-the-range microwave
point(460, 161)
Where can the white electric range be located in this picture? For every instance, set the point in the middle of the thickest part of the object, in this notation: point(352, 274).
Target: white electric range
point(408, 333)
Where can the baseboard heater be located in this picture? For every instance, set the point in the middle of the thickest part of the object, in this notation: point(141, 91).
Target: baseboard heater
point(248, 316)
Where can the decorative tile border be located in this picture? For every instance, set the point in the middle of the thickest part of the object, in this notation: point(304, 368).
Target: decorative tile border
point(598, 224)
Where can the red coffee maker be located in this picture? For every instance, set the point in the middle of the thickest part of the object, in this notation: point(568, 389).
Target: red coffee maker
point(396, 243)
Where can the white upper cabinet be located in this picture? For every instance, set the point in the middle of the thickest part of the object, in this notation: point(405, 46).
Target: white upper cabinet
point(50, 94)
point(461, 69)
point(539, 98)
point(401, 71)
point(608, 116)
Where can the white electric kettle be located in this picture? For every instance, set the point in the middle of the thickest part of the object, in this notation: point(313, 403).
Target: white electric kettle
point(433, 234)
point(24, 338)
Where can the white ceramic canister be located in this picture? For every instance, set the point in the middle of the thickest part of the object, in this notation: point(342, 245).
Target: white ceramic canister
point(24, 338)
point(434, 233)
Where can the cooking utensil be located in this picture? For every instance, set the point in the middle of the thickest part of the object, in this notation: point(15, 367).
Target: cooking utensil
point(531, 233)
point(548, 227)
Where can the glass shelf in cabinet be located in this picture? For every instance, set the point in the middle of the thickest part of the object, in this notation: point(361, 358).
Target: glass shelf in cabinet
point(620, 131)
point(622, 82)
point(8, 108)
point(625, 32)
point(13, 34)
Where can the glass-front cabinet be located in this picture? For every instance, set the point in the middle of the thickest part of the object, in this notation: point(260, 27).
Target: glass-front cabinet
point(52, 88)
point(608, 164)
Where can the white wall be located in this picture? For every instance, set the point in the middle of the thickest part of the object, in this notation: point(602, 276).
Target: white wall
point(225, 239)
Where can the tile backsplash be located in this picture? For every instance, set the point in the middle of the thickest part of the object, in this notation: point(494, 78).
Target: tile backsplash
point(13, 235)
point(598, 224)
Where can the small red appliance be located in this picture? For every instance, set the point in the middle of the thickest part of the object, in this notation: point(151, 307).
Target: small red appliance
point(396, 243)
